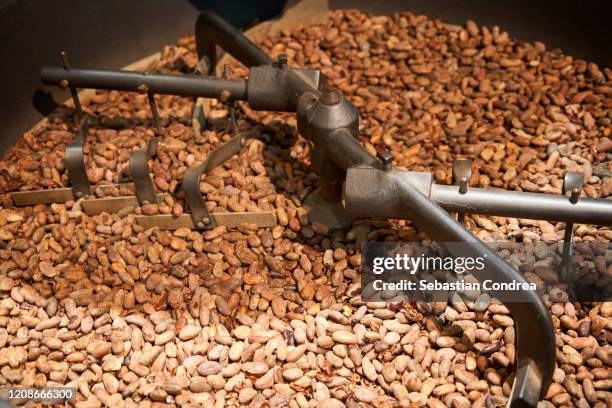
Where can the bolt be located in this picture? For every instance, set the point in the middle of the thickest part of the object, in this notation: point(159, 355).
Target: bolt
point(206, 220)
point(64, 83)
point(143, 89)
point(575, 196)
point(330, 96)
point(282, 60)
point(64, 57)
point(387, 159)
point(200, 225)
point(78, 194)
point(463, 185)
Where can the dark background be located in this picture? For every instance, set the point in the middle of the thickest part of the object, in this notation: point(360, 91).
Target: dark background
point(115, 33)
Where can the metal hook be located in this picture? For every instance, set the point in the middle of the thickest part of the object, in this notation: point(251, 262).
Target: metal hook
point(462, 172)
point(572, 184)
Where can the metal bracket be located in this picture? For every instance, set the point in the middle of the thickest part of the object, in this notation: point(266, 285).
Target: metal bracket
point(138, 162)
point(462, 172)
point(191, 182)
point(75, 162)
point(139, 170)
point(572, 184)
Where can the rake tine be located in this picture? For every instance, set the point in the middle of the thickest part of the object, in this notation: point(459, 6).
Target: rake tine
point(138, 162)
point(572, 184)
point(73, 90)
point(191, 182)
point(462, 172)
point(139, 170)
point(198, 116)
point(75, 162)
point(154, 113)
point(232, 103)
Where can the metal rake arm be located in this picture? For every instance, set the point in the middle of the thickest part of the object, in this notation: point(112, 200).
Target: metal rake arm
point(372, 192)
point(184, 85)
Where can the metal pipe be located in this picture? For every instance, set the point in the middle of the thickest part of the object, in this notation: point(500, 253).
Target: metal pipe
point(523, 205)
point(346, 151)
point(184, 85)
point(212, 30)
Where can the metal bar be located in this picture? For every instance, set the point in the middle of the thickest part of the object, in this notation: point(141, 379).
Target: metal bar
point(212, 31)
point(139, 170)
point(263, 219)
point(572, 184)
point(523, 205)
point(374, 193)
point(73, 91)
point(154, 113)
point(35, 197)
point(56, 195)
point(346, 151)
point(113, 205)
point(183, 85)
point(75, 162)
